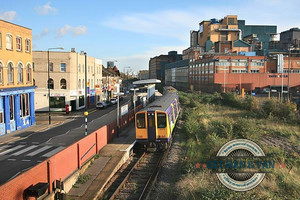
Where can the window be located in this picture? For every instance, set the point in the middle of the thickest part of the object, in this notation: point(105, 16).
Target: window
point(27, 45)
point(161, 120)
point(1, 73)
point(140, 120)
point(50, 84)
point(20, 73)
point(63, 67)
point(79, 84)
point(51, 67)
point(19, 43)
point(28, 72)
point(9, 42)
point(0, 40)
point(10, 73)
point(79, 68)
point(11, 107)
point(1, 117)
point(83, 84)
point(24, 105)
point(63, 84)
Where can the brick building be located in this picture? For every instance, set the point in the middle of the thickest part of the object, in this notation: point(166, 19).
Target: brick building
point(16, 78)
point(67, 80)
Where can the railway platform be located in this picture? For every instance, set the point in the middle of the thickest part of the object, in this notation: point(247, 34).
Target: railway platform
point(111, 157)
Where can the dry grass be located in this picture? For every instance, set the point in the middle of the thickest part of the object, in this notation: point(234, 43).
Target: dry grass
point(219, 124)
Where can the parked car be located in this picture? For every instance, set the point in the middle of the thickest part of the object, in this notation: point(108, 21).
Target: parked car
point(113, 101)
point(101, 105)
point(108, 103)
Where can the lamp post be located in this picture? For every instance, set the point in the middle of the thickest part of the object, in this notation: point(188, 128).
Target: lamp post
point(48, 82)
point(118, 110)
point(288, 84)
point(134, 97)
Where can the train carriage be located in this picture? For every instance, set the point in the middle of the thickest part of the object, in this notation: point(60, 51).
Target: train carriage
point(155, 123)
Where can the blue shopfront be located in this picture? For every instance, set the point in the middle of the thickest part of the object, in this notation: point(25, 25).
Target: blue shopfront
point(16, 109)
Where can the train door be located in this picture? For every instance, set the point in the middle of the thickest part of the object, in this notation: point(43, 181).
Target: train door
point(151, 127)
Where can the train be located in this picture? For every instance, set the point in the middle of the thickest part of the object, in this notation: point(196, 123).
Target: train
point(155, 123)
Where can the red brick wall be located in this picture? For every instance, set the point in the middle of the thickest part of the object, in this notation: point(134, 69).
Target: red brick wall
point(13, 190)
point(64, 163)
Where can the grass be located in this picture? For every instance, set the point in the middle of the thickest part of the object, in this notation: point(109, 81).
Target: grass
point(212, 120)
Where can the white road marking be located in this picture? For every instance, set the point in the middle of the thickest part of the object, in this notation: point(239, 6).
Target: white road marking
point(39, 151)
point(12, 149)
point(54, 151)
point(4, 146)
point(11, 159)
point(26, 160)
point(24, 150)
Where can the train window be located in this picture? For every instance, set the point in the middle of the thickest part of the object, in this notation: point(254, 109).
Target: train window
point(161, 120)
point(140, 120)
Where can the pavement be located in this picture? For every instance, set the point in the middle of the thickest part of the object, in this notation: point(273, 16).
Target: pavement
point(110, 159)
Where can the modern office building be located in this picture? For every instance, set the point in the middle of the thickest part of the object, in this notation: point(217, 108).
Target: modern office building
point(16, 78)
point(67, 80)
point(157, 65)
point(230, 29)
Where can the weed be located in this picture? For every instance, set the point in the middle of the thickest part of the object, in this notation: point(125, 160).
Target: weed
point(83, 178)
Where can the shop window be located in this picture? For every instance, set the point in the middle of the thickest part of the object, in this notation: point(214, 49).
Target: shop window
point(11, 107)
point(24, 105)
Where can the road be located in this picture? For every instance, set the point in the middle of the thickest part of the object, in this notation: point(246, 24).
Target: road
point(35, 147)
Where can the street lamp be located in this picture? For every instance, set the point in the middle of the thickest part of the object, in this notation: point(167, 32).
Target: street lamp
point(118, 110)
point(288, 84)
point(49, 79)
point(134, 98)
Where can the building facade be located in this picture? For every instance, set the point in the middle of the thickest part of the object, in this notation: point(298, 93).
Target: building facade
point(157, 65)
point(16, 78)
point(67, 80)
point(143, 74)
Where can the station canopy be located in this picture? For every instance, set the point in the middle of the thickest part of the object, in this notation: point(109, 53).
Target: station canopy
point(145, 82)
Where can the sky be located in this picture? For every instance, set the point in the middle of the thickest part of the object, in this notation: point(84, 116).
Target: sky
point(133, 31)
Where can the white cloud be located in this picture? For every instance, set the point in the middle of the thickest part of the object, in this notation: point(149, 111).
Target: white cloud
point(8, 16)
point(45, 32)
point(76, 31)
point(46, 9)
point(169, 23)
point(178, 23)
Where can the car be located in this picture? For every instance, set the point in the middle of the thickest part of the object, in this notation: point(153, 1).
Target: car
point(127, 92)
point(108, 103)
point(101, 105)
point(113, 101)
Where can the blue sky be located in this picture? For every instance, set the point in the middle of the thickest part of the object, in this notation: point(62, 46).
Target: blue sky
point(133, 31)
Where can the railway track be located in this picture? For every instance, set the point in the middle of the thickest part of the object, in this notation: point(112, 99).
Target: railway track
point(135, 180)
